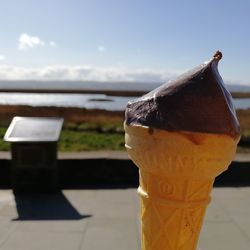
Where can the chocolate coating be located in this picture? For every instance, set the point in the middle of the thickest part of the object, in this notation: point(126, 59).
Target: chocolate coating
point(197, 101)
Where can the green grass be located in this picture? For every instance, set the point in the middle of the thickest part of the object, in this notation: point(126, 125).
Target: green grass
point(85, 140)
point(245, 133)
point(76, 137)
point(97, 126)
point(101, 135)
point(94, 135)
point(4, 146)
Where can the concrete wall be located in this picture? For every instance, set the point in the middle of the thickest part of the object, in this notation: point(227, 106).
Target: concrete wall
point(114, 172)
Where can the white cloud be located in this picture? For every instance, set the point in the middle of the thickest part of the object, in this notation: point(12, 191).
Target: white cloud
point(90, 73)
point(2, 57)
point(83, 73)
point(52, 44)
point(26, 42)
point(101, 48)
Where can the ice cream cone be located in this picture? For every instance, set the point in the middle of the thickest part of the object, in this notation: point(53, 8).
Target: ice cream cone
point(181, 135)
point(177, 171)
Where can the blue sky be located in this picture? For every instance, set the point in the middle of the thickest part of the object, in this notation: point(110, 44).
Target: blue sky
point(122, 39)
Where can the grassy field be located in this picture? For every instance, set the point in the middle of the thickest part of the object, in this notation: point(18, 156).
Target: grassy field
point(84, 137)
point(104, 131)
point(92, 136)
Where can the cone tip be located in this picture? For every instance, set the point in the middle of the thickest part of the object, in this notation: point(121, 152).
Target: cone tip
point(217, 55)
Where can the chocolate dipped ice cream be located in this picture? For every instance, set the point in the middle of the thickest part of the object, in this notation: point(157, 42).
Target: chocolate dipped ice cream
point(196, 101)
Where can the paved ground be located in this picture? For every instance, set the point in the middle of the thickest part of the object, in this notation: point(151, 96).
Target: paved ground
point(108, 220)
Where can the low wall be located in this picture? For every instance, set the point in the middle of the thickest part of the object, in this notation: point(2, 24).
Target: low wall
point(95, 173)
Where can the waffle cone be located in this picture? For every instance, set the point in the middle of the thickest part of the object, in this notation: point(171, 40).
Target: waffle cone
point(177, 171)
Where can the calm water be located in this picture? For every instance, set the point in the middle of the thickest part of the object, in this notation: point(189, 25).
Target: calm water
point(89, 101)
point(242, 103)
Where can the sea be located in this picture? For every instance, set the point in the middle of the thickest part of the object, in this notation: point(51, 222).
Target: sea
point(88, 101)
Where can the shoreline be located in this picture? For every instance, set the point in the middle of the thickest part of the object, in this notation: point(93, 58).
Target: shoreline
point(120, 93)
point(76, 114)
point(70, 114)
point(86, 129)
point(77, 91)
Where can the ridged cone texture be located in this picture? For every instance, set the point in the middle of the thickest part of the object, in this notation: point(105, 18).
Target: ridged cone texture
point(177, 171)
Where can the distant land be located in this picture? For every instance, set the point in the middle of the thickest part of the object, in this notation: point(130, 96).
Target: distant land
point(238, 88)
point(109, 88)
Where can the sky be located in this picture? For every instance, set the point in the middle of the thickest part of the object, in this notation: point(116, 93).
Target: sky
point(122, 40)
